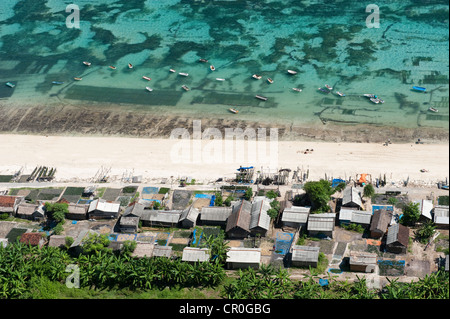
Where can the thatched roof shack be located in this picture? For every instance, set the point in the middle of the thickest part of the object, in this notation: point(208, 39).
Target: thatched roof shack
point(57, 241)
point(238, 224)
point(30, 211)
point(305, 256)
point(243, 258)
point(397, 239)
point(8, 204)
point(77, 211)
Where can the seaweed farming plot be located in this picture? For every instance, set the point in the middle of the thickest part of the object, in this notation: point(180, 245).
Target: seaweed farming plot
point(283, 243)
point(118, 95)
point(237, 99)
point(391, 267)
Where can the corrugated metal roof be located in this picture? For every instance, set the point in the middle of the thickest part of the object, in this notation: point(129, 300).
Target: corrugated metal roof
point(426, 207)
point(215, 213)
point(104, 206)
point(321, 222)
point(161, 216)
point(441, 214)
point(351, 195)
point(244, 255)
point(361, 217)
point(362, 258)
point(162, 251)
point(190, 213)
point(259, 216)
point(296, 214)
point(397, 232)
point(195, 254)
point(305, 253)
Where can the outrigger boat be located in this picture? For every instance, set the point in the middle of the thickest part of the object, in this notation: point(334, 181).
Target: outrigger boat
point(233, 110)
point(269, 80)
point(87, 63)
point(292, 72)
point(130, 66)
point(340, 93)
point(11, 85)
point(172, 70)
point(323, 90)
point(419, 88)
point(203, 60)
point(148, 88)
point(146, 78)
point(78, 79)
point(328, 87)
point(212, 67)
point(261, 97)
point(256, 76)
point(185, 88)
point(57, 82)
point(370, 95)
point(183, 74)
point(112, 67)
point(297, 89)
point(374, 100)
point(432, 109)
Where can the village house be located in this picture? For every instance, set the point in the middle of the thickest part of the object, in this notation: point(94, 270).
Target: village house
point(162, 251)
point(189, 217)
point(238, 223)
point(77, 211)
point(362, 261)
point(243, 258)
point(351, 198)
point(426, 209)
point(160, 218)
point(321, 224)
point(193, 254)
point(102, 209)
point(57, 241)
point(295, 217)
point(33, 239)
point(215, 216)
point(9, 204)
point(351, 216)
point(129, 221)
point(259, 219)
point(380, 223)
point(30, 211)
point(397, 239)
point(441, 217)
point(305, 256)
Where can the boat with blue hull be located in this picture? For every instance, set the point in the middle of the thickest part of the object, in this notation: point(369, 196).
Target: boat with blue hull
point(419, 89)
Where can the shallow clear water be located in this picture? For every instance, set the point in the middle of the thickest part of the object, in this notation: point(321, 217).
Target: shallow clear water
point(327, 42)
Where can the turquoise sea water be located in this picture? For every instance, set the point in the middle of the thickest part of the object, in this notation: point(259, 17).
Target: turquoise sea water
point(327, 42)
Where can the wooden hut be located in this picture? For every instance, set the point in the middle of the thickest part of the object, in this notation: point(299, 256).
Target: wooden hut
point(295, 217)
point(397, 239)
point(102, 209)
point(305, 256)
point(362, 261)
point(351, 197)
point(321, 224)
point(238, 223)
point(259, 219)
point(243, 258)
point(380, 222)
point(215, 216)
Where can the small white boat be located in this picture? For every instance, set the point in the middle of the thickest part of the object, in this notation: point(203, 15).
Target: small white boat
point(183, 74)
point(432, 109)
point(328, 87)
point(87, 63)
point(256, 76)
point(220, 79)
point(78, 79)
point(203, 60)
point(292, 72)
point(374, 100)
point(146, 78)
point(185, 88)
point(148, 88)
point(340, 93)
point(172, 70)
point(297, 89)
point(212, 67)
point(130, 66)
point(269, 80)
point(370, 95)
point(112, 67)
point(11, 85)
point(261, 97)
point(233, 110)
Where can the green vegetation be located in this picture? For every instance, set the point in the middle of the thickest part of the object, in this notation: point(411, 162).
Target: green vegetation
point(411, 214)
point(248, 193)
point(425, 232)
point(354, 227)
point(368, 191)
point(319, 194)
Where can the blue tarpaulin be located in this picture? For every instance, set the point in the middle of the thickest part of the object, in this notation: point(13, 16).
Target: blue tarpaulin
point(336, 182)
point(244, 168)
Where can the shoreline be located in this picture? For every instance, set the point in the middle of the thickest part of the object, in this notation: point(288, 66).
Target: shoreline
point(79, 158)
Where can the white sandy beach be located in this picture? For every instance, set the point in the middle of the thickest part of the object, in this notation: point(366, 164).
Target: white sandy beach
point(80, 158)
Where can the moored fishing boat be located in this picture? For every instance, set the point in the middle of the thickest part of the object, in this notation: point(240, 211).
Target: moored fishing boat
point(340, 93)
point(203, 60)
point(146, 78)
point(292, 72)
point(374, 100)
point(220, 79)
point(256, 76)
point(419, 88)
point(269, 80)
point(172, 70)
point(78, 79)
point(212, 67)
point(57, 82)
point(323, 90)
point(233, 110)
point(148, 88)
point(185, 87)
point(11, 85)
point(432, 109)
point(87, 63)
point(130, 66)
point(183, 74)
point(112, 67)
point(297, 89)
point(328, 87)
point(370, 95)
point(261, 97)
